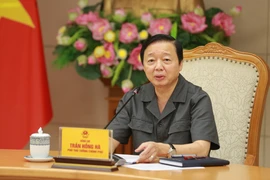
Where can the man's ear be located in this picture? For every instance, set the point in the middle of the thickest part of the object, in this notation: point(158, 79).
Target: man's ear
point(181, 66)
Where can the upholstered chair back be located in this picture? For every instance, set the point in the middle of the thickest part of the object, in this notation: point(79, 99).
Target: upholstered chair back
point(237, 83)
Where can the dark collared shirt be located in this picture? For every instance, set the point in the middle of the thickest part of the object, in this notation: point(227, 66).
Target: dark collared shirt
point(187, 117)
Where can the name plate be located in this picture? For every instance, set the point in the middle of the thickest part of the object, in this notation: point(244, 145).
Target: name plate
point(85, 143)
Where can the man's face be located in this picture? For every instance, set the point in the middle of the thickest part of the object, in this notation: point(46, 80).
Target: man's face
point(161, 64)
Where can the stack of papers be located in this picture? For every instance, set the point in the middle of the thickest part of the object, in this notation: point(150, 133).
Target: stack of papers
point(129, 159)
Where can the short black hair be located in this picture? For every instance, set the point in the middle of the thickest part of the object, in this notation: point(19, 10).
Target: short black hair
point(166, 38)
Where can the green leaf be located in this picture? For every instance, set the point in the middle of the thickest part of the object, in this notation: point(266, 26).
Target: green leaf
point(138, 78)
point(59, 49)
point(128, 47)
point(209, 13)
point(72, 29)
point(226, 41)
point(191, 45)
point(65, 55)
point(167, 15)
point(206, 37)
point(184, 37)
point(87, 9)
point(90, 72)
point(219, 36)
point(174, 30)
point(200, 40)
point(91, 43)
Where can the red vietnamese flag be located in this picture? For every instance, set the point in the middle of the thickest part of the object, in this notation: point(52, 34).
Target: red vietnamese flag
point(24, 94)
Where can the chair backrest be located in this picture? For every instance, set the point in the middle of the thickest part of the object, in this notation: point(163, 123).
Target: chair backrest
point(237, 83)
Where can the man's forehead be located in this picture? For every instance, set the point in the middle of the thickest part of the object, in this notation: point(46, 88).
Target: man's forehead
point(158, 51)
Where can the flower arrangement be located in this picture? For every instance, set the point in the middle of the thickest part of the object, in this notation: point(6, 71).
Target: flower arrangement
point(108, 46)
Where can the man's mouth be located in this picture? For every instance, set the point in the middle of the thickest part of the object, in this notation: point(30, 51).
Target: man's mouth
point(159, 77)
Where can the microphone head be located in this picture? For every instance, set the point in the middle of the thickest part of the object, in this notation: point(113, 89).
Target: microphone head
point(136, 90)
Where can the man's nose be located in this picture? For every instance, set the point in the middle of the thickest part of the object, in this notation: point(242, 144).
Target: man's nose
point(159, 65)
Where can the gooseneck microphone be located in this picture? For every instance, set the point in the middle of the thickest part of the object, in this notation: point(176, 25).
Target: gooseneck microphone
point(135, 91)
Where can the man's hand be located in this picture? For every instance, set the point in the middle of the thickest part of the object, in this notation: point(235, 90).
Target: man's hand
point(149, 152)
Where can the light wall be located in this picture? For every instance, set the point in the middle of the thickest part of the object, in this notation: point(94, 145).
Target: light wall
point(80, 102)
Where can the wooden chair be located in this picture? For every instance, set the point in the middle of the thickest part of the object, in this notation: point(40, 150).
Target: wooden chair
point(237, 83)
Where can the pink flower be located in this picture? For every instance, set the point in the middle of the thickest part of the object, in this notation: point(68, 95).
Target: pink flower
point(93, 16)
point(128, 33)
point(193, 23)
point(106, 71)
point(80, 44)
point(91, 60)
point(135, 59)
point(224, 22)
point(146, 18)
point(126, 85)
point(120, 12)
point(99, 28)
point(235, 11)
point(109, 56)
point(82, 19)
point(160, 26)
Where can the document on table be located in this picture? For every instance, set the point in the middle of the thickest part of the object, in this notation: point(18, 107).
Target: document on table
point(130, 159)
point(131, 163)
point(156, 167)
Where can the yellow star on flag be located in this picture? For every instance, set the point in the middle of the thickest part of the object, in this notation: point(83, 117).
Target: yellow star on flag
point(14, 10)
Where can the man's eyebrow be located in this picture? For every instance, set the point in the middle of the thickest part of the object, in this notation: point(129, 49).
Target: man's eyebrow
point(164, 52)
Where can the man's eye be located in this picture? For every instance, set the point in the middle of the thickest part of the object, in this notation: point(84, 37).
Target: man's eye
point(150, 60)
point(166, 59)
